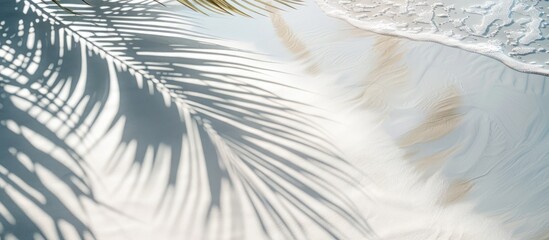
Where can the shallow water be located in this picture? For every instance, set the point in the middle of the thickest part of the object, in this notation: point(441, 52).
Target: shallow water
point(512, 31)
point(284, 128)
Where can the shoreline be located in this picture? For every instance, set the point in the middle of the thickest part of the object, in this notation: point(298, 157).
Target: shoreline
point(434, 38)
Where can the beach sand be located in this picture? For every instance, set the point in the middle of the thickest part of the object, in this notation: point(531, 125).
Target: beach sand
point(292, 125)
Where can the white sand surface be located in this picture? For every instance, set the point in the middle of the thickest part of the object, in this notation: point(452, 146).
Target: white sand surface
point(294, 125)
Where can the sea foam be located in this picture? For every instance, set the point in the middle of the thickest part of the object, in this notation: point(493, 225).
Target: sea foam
point(514, 32)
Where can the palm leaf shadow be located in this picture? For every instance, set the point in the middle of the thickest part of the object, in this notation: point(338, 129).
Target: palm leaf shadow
point(36, 121)
point(215, 118)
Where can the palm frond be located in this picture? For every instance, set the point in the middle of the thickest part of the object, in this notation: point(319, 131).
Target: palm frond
point(244, 8)
point(236, 7)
